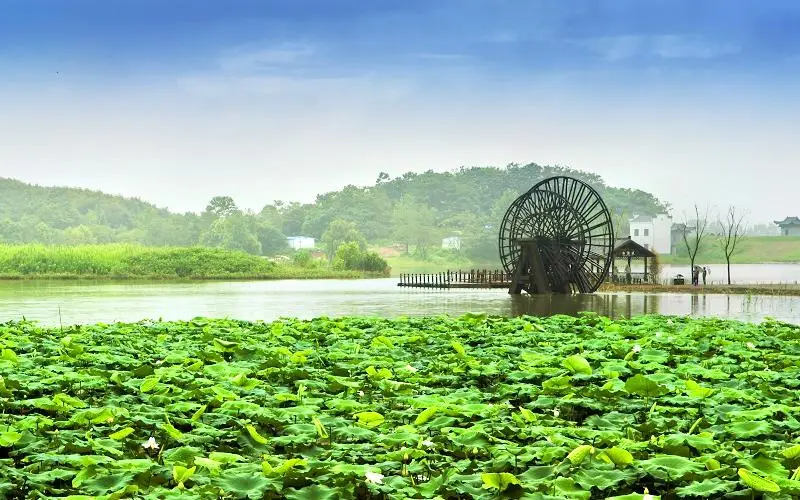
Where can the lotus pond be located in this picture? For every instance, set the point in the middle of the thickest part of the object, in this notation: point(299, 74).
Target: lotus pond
point(436, 407)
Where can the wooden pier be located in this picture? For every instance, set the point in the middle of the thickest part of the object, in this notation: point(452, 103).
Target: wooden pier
point(474, 278)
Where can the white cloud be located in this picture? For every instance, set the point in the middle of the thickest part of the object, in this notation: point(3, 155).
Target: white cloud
point(439, 56)
point(674, 46)
point(259, 59)
point(690, 46)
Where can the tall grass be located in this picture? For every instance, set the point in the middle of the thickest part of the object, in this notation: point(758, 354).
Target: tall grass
point(134, 261)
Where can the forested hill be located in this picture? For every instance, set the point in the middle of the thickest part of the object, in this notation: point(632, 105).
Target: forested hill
point(413, 209)
point(62, 215)
point(456, 199)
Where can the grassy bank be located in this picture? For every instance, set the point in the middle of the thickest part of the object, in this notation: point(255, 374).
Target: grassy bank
point(472, 407)
point(133, 261)
point(750, 250)
point(437, 260)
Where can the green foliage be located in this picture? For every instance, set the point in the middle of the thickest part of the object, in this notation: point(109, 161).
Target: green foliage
point(415, 224)
point(303, 258)
point(406, 408)
point(340, 232)
point(232, 233)
point(349, 256)
point(129, 260)
point(134, 261)
point(222, 206)
point(271, 239)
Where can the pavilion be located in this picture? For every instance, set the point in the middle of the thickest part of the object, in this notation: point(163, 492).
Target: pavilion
point(790, 226)
point(628, 250)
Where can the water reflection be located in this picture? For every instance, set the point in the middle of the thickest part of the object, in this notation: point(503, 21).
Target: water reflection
point(626, 305)
point(612, 305)
point(86, 302)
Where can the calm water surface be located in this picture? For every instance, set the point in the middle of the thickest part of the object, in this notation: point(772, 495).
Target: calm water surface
point(90, 302)
point(740, 273)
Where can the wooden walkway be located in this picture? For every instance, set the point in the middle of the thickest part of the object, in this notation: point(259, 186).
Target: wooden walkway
point(474, 278)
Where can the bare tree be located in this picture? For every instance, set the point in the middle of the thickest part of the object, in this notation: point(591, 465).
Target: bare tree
point(732, 233)
point(694, 240)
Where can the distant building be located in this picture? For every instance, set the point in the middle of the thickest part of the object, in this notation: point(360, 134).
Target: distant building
point(790, 226)
point(299, 242)
point(653, 233)
point(676, 232)
point(452, 243)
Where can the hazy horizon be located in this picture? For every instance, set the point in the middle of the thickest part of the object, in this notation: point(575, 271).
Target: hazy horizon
point(176, 103)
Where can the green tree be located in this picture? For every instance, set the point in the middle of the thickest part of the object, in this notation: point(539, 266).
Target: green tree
point(272, 240)
point(79, 235)
point(501, 206)
point(347, 256)
point(339, 232)
point(271, 215)
point(222, 206)
point(232, 233)
point(303, 258)
point(47, 235)
point(415, 223)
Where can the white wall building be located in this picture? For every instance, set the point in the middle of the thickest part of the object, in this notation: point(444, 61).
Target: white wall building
point(653, 233)
point(299, 242)
point(452, 243)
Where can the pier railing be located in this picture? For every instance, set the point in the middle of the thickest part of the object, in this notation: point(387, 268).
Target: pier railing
point(473, 278)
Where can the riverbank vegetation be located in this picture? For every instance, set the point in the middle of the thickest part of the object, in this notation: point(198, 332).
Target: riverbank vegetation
point(471, 407)
point(134, 261)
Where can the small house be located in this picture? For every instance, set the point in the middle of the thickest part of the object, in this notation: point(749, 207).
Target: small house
point(452, 243)
point(790, 226)
point(652, 232)
point(300, 242)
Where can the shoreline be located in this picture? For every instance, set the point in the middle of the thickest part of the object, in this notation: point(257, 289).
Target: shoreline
point(743, 289)
point(346, 275)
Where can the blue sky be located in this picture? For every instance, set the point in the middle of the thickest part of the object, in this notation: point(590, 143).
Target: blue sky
point(175, 101)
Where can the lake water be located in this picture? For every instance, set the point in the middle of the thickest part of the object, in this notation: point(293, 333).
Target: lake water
point(740, 273)
point(51, 302)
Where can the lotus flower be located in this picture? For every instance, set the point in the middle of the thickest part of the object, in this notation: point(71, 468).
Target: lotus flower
point(151, 444)
point(374, 477)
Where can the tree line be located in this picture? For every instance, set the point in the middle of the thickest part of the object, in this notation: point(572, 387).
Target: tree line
point(414, 211)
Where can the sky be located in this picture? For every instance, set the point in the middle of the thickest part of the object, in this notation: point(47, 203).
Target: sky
point(176, 101)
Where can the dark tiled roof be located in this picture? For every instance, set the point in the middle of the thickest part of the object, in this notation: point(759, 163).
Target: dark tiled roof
point(788, 221)
point(629, 244)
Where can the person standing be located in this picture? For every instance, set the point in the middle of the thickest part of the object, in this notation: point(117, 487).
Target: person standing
point(705, 271)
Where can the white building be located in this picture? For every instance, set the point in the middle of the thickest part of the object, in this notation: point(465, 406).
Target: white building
point(298, 242)
point(653, 233)
point(452, 243)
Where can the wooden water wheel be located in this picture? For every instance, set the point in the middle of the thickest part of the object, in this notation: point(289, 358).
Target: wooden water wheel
point(557, 237)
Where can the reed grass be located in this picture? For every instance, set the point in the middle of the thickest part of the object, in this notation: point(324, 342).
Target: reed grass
point(120, 261)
